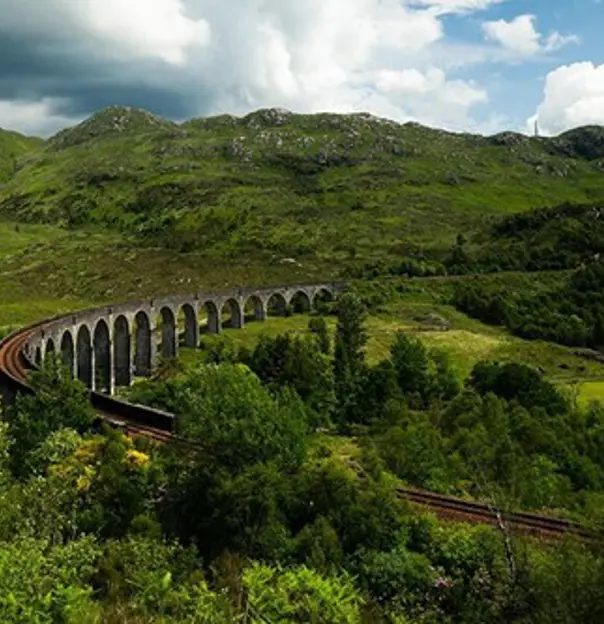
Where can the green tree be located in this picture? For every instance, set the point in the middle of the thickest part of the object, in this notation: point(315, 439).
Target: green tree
point(598, 330)
point(237, 420)
point(380, 387)
point(513, 380)
point(57, 401)
point(402, 580)
point(412, 365)
point(318, 326)
point(416, 452)
point(445, 384)
point(349, 357)
point(297, 362)
point(459, 262)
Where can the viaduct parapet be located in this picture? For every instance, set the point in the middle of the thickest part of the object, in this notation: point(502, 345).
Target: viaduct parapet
point(107, 347)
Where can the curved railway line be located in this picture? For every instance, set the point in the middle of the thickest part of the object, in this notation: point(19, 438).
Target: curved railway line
point(131, 419)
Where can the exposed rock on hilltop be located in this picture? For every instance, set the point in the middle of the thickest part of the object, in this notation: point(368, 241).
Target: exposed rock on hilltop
point(586, 142)
point(267, 117)
point(509, 139)
point(113, 120)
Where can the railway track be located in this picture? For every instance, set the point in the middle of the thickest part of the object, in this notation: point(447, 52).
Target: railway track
point(11, 356)
point(14, 367)
point(482, 513)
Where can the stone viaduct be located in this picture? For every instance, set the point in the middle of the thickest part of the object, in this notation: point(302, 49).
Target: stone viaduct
point(107, 347)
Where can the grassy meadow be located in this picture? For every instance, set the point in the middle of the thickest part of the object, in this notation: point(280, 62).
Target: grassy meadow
point(466, 341)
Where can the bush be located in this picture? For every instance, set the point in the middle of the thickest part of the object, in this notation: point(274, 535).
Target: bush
point(148, 578)
point(57, 402)
point(520, 382)
point(238, 421)
point(300, 595)
point(44, 583)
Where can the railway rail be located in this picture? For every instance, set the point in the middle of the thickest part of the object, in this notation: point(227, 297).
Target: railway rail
point(134, 420)
point(483, 513)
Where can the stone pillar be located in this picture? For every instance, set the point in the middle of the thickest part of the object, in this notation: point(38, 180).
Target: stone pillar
point(191, 327)
point(214, 320)
point(111, 389)
point(237, 314)
point(92, 369)
point(260, 313)
point(153, 342)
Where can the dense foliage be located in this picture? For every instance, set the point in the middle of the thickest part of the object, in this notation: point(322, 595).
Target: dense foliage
point(261, 516)
point(281, 506)
point(571, 314)
point(562, 237)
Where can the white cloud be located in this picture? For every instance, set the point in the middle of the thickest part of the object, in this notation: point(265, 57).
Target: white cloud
point(145, 27)
point(573, 96)
point(429, 96)
point(556, 41)
point(455, 6)
point(236, 55)
point(520, 36)
point(33, 118)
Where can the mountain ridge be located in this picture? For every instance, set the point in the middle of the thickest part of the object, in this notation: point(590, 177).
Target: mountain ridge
point(279, 117)
point(273, 182)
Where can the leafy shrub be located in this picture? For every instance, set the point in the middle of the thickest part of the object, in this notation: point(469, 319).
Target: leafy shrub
point(300, 595)
point(62, 401)
point(44, 583)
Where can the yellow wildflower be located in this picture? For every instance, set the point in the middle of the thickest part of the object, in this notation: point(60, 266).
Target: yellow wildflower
point(137, 459)
point(88, 451)
point(83, 483)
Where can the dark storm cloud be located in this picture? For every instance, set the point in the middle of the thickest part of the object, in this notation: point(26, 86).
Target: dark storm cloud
point(75, 72)
point(82, 84)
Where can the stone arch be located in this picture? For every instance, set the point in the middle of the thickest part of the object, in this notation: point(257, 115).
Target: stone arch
point(143, 354)
point(323, 296)
point(168, 346)
point(38, 357)
point(191, 322)
point(84, 356)
point(122, 351)
point(276, 305)
point(254, 309)
point(300, 302)
point(68, 352)
point(213, 324)
point(102, 357)
point(235, 313)
point(49, 349)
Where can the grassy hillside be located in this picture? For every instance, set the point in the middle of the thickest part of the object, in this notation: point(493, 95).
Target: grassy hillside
point(13, 147)
point(128, 205)
point(274, 184)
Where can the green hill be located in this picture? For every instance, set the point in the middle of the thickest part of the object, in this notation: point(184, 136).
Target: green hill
point(273, 183)
point(13, 147)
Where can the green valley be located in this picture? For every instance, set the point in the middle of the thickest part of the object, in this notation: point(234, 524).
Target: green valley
point(465, 357)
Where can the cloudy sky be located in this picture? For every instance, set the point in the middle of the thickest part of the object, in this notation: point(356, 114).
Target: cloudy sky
point(476, 65)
